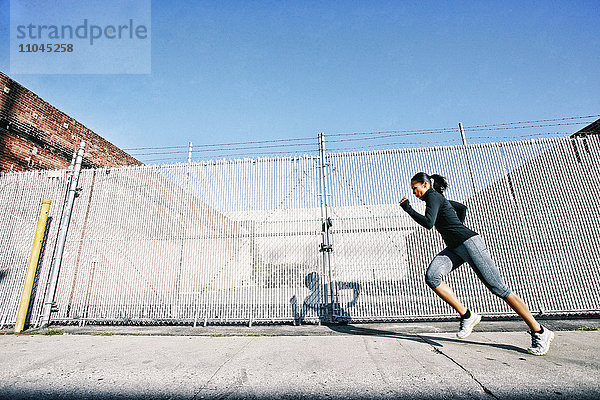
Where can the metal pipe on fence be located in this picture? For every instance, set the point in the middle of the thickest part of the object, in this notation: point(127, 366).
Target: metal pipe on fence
point(462, 133)
point(464, 140)
point(61, 239)
point(32, 267)
point(326, 247)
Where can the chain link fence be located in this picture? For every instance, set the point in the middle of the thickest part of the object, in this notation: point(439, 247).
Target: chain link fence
point(241, 241)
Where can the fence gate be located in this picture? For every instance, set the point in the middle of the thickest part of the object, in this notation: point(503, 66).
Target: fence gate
point(306, 238)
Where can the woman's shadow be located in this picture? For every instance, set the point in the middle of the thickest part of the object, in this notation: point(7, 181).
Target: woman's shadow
point(421, 338)
point(316, 301)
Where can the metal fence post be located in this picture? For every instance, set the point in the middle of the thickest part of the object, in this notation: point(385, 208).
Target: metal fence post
point(326, 247)
point(61, 239)
point(184, 228)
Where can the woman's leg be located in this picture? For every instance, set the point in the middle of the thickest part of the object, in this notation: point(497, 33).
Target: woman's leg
point(478, 256)
point(517, 304)
point(439, 267)
point(447, 294)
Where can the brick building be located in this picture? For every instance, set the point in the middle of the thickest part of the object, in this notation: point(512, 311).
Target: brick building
point(591, 129)
point(36, 135)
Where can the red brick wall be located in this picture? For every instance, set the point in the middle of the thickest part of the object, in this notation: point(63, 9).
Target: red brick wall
point(36, 135)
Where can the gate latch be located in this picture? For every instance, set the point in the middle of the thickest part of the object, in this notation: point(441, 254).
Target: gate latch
point(325, 248)
point(327, 224)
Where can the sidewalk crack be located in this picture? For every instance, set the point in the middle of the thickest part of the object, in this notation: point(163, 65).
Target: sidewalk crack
point(438, 351)
point(375, 362)
point(218, 369)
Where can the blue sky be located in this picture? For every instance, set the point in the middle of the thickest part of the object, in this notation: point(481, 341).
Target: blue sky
point(233, 71)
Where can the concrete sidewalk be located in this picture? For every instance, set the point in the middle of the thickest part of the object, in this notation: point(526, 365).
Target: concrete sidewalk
point(363, 361)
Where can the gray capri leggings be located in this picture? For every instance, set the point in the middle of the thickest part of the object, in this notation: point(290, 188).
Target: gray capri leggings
point(474, 252)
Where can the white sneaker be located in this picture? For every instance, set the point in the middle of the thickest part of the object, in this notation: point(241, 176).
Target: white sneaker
point(467, 325)
point(540, 342)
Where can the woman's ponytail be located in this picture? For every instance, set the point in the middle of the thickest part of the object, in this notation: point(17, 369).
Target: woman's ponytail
point(438, 183)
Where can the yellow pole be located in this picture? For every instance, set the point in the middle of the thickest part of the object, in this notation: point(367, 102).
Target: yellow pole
point(31, 269)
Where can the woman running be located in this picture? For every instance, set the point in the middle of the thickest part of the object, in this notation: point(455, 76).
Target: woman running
point(465, 245)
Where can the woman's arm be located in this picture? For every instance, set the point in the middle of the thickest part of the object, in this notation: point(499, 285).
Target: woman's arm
point(431, 212)
point(461, 210)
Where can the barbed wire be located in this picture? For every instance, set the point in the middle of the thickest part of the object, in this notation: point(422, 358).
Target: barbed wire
point(522, 136)
point(448, 141)
point(371, 138)
point(387, 144)
point(363, 148)
point(469, 129)
point(473, 127)
point(308, 144)
point(223, 144)
point(397, 133)
point(455, 131)
point(539, 120)
point(222, 149)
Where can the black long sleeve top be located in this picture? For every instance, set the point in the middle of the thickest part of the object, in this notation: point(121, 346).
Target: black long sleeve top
point(447, 217)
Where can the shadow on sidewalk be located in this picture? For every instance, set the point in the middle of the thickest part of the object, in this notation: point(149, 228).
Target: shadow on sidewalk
point(431, 340)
